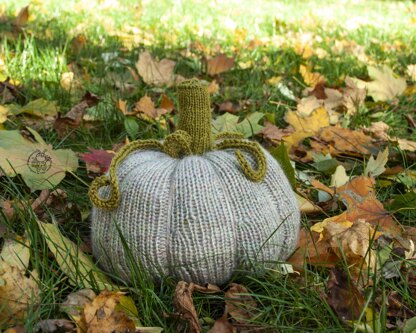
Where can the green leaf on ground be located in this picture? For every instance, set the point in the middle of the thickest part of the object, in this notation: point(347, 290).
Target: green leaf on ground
point(281, 155)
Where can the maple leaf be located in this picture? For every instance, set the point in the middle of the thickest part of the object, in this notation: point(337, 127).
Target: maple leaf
point(361, 202)
point(273, 133)
point(353, 97)
point(220, 64)
point(376, 167)
point(351, 241)
point(40, 166)
point(305, 127)
point(338, 140)
point(310, 78)
point(155, 73)
point(385, 85)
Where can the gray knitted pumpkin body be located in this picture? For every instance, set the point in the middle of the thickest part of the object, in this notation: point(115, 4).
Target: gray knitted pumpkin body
point(195, 218)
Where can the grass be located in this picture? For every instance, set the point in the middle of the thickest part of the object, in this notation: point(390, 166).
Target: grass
point(38, 57)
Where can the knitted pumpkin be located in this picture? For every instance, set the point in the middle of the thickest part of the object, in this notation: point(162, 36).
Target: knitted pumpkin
point(193, 206)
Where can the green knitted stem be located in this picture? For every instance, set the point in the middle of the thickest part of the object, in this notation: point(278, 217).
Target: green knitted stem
point(195, 115)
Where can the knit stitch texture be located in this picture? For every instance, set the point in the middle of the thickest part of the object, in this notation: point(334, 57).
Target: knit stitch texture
point(191, 207)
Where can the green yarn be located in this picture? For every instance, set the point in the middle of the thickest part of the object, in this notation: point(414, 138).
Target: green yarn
point(195, 115)
point(192, 137)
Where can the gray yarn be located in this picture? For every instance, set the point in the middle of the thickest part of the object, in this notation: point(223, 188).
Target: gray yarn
point(195, 218)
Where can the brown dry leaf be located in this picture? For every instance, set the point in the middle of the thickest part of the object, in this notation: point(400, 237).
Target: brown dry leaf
point(305, 126)
point(359, 197)
point(222, 325)
point(408, 145)
point(238, 304)
point(145, 105)
point(155, 73)
point(184, 305)
point(123, 108)
point(343, 296)
point(74, 116)
point(311, 251)
point(17, 294)
point(341, 140)
point(219, 64)
point(166, 104)
point(74, 305)
point(306, 206)
point(310, 78)
point(379, 129)
point(22, 17)
point(385, 85)
point(411, 71)
point(353, 97)
point(273, 133)
point(307, 105)
point(3, 114)
point(352, 241)
point(103, 314)
point(230, 107)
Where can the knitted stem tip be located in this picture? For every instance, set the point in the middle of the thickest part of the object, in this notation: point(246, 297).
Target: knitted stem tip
point(195, 115)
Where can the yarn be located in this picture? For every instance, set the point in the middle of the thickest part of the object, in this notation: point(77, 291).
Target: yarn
point(193, 206)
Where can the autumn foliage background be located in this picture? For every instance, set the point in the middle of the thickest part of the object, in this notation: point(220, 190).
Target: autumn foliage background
point(329, 87)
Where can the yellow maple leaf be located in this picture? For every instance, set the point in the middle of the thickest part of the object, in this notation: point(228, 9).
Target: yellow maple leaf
point(305, 126)
point(385, 85)
point(310, 78)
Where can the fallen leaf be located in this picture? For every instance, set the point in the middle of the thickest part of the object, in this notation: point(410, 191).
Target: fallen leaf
point(385, 85)
point(239, 304)
point(155, 73)
point(376, 167)
point(408, 145)
point(22, 17)
point(18, 294)
point(379, 129)
point(305, 127)
point(55, 325)
point(310, 78)
point(16, 329)
point(40, 166)
point(16, 253)
point(220, 64)
point(353, 97)
point(39, 108)
point(225, 123)
point(79, 267)
point(281, 155)
point(184, 305)
point(222, 325)
point(250, 126)
point(306, 206)
point(343, 296)
point(74, 117)
point(339, 177)
point(359, 197)
point(166, 104)
point(341, 140)
point(145, 105)
point(273, 133)
point(74, 305)
point(352, 241)
point(228, 106)
point(310, 251)
point(98, 160)
point(105, 314)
